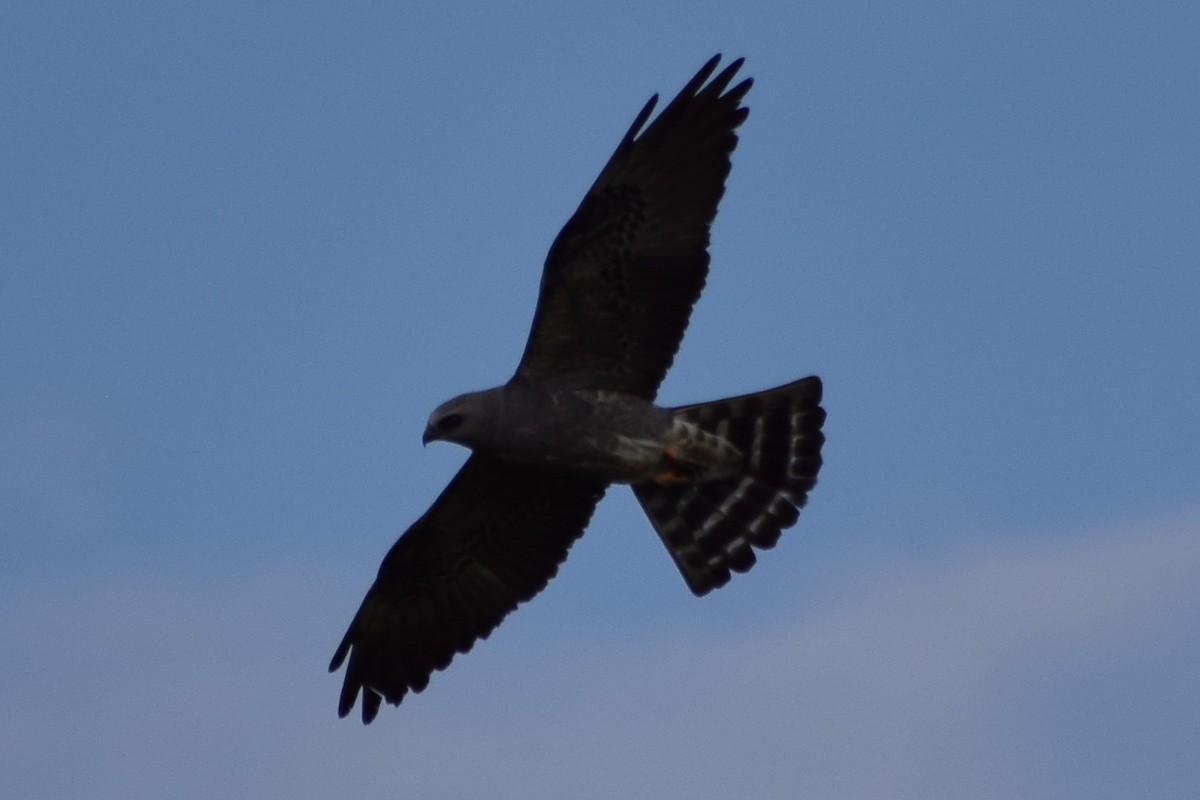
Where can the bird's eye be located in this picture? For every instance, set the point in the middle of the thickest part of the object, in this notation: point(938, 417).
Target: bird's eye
point(449, 422)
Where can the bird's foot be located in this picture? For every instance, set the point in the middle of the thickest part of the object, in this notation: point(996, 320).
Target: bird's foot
point(674, 470)
point(672, 477)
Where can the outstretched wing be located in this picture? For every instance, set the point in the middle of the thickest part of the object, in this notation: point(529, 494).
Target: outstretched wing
point(493, 539)
point(621, 278)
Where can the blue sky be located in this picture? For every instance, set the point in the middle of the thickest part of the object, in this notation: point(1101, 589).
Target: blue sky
point(245, 251)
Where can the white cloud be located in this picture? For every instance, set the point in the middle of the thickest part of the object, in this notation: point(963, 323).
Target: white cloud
point(929, 683)
point(973, 676)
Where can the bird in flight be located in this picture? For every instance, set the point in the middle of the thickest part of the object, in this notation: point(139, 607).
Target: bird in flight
point(715, 479)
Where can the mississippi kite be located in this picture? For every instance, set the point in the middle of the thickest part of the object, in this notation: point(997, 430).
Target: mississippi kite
point(617, 290)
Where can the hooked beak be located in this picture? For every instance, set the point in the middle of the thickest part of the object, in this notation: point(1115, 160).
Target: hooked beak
point(428, 436)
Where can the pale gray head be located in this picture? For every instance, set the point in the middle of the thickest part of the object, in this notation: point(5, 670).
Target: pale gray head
point(466, 419)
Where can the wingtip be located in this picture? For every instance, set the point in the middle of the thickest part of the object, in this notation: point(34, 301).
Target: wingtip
point(347, 699)
point(638, 122)
point(729, 69)
point(726, 76)
point(339, 655)
point(370, 706)
point(701, 77)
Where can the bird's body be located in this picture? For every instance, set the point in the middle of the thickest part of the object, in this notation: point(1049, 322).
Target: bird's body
point(613, 436)
point(715, 479)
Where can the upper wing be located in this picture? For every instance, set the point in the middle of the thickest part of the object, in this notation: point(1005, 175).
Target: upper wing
point(621, 278)
point(493, 539)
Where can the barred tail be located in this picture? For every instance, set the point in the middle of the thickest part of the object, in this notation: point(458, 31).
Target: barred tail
point(709, 527)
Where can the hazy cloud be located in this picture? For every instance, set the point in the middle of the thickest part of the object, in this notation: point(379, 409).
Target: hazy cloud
point(957, 678)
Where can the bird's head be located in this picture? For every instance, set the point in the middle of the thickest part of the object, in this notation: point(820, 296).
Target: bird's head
point(463, 420)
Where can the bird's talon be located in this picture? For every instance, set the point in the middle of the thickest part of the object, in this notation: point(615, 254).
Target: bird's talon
point(672, 477)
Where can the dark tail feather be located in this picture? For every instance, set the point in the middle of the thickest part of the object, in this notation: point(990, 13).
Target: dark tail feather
point(709, 527)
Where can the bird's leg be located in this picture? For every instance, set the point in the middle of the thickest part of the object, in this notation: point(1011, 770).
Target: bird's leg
point(675, 470)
